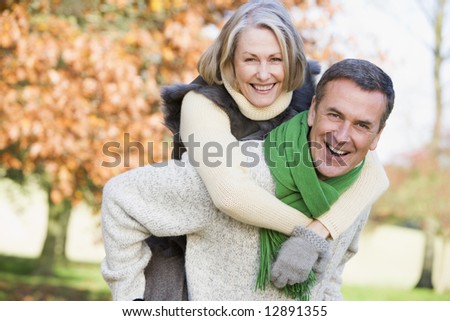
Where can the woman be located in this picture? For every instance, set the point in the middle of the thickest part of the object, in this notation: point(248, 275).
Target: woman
point(256, 64)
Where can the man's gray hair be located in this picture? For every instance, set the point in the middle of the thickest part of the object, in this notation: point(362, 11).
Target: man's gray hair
point(365, 75)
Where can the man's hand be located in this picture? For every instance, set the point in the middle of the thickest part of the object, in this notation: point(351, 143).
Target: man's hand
point(297, 257)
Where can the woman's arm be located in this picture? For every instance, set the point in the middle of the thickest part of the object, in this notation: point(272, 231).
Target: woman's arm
point(371, 183)
point(205, 130)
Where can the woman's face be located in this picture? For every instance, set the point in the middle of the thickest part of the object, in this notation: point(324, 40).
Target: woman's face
point(258, 66)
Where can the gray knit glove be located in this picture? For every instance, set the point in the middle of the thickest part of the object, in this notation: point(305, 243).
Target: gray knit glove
point(297, 257)
point(322, 264)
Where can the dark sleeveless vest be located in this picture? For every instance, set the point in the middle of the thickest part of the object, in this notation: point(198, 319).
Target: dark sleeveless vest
point(165, 274)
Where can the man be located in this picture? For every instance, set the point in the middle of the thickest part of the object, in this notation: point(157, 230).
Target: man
point(353, 101)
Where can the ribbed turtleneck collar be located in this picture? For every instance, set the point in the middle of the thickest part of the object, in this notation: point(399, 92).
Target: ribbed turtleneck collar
point(257, 113)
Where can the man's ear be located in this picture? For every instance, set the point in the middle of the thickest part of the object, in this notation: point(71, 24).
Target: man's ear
point(375, 141)
point(312, 112)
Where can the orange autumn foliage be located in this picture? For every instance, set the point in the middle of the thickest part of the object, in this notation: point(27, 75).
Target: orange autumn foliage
point(68, 90)
point(65, 93)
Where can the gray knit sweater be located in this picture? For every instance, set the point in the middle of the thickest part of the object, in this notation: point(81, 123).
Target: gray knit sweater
point(222, 255)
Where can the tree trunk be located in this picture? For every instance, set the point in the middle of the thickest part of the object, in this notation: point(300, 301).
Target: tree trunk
point(438, 24)
point(426, 278)
point(55, 241)
point(437, 21)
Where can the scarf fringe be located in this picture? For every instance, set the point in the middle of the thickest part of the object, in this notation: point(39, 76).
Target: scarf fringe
point(299, 187)
point(270, 244)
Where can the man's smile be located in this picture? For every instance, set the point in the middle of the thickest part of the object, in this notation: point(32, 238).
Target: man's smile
point(336, 151)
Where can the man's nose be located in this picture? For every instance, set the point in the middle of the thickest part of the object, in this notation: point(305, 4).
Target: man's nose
point(342, 133)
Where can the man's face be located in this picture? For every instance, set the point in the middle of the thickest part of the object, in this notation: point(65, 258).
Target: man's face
point(345, 125)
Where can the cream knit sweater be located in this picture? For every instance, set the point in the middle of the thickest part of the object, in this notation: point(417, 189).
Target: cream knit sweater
point(153, 199)
point(222, 255)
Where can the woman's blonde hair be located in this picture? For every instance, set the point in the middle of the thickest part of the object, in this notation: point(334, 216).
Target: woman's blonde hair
point(217, 61)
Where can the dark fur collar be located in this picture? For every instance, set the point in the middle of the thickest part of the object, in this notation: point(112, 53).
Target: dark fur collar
point(242, 127)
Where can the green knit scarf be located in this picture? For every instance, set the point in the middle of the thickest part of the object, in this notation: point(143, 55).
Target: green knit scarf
point(287, 154)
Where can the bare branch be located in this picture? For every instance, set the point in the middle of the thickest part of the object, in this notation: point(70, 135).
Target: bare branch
point(429, 16)
point(446, 56)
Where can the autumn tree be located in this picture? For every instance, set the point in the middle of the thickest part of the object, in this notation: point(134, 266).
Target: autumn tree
point(436, 16)
point(435, 13)
point(418, 191)
point(65, 94)
point(418, 197)
point(80, 83)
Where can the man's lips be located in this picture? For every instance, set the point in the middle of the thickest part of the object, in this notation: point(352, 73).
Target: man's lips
point(336, 151)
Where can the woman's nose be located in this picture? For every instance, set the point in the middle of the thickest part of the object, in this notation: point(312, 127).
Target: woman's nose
point(263, 72)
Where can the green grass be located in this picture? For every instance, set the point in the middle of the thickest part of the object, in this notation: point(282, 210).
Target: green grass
point(71, 282)
point(368, 293)
point(83, 282)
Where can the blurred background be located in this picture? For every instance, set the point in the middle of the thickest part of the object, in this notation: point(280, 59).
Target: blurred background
point(79, 103)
